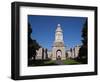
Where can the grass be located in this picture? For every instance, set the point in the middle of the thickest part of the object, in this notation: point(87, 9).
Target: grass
point(49, 62)
point(70, 62)
point(53, 62)
point(43, 63)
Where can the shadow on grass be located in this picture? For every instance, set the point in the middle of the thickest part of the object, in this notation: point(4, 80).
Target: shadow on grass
point(42, 63)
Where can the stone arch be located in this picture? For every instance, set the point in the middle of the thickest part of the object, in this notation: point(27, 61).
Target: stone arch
point(58, 54)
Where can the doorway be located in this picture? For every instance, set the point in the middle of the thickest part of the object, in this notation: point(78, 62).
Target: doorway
point(58, 54)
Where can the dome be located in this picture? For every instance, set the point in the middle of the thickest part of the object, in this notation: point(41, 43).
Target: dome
point(58, 28)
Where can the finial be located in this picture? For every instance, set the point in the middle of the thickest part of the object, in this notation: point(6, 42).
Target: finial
point(58, 25)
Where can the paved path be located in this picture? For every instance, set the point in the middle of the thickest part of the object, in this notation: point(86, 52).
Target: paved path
point(59, 62)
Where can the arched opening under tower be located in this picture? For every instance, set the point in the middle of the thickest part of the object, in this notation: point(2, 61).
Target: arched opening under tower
point(58, 54)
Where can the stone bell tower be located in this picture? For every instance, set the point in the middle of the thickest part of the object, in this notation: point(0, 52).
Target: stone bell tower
point(58, 50)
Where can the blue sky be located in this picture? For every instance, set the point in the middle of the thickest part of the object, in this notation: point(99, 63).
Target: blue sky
point(43, 29)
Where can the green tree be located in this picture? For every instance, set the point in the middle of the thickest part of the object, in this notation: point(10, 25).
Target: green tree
point(83, 50)
point(32, 46)
point(46, 51)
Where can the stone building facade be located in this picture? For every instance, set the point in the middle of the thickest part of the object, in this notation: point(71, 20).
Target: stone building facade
point(42, 54)
point(73, 52)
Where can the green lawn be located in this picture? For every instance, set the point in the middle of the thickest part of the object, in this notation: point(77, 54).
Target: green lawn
point(53, 62)
point(43, 63)
point(70, 62)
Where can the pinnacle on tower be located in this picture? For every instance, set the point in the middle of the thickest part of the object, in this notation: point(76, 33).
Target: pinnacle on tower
point(58, 28)
point(58, 25)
